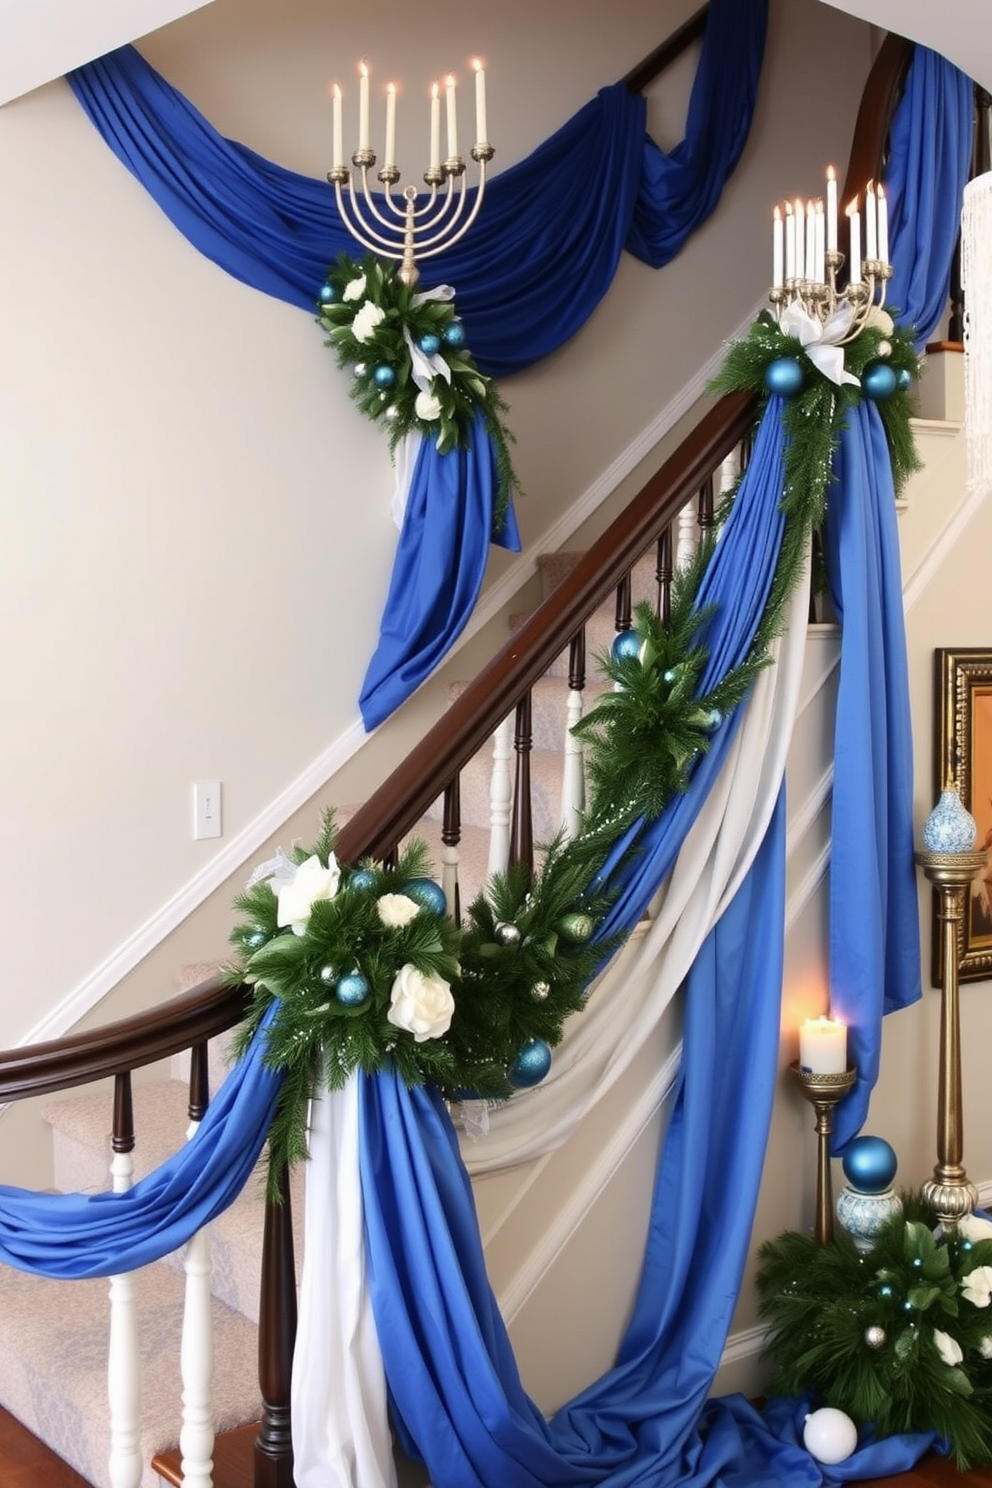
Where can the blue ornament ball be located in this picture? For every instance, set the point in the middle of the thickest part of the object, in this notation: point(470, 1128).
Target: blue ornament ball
point(363, 878)
point(328, 294)
point(255, 938)
point(353, 989)
point(904, 379)
point(870, 1164)
point(784, 377)
point(384, 377)
point(878, 381)
point(713, 720)
point(530, 1066)
point(429, 344)
point(454, 334)
point(627, 643)
point(426, 893)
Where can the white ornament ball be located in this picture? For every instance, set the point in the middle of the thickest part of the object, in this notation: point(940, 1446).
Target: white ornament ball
point(829, 1435)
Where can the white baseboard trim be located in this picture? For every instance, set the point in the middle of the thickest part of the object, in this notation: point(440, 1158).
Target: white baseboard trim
point(98, 983)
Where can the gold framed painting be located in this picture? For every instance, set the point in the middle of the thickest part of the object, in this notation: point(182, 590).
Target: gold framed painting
point(963, 755)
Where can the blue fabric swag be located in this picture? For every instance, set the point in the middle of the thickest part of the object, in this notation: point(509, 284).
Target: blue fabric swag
point(528, 276)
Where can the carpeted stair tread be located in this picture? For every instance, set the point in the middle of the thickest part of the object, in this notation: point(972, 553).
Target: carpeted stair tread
point(54, 1378)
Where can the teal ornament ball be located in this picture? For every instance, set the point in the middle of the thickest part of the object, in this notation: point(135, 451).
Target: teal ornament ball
point(626, 644)
point(577, 927)
point(255, 938)
point(870, 1164)
point(353, 989)
point(878, 381)
point(428, 894)
point(429, 344)
point(784, 377)
point(328, 294)
point(530, 1066)
point(904, 379)
point(363, 878)
point(384, 377)
point(713, 720)
point(454, 335)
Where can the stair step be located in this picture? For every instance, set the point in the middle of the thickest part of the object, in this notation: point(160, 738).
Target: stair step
point(54, 1379)
point(234, 1456)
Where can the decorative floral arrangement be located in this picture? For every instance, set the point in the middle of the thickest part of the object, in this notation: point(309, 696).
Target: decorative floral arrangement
point(410, 362)
point(900, 1337)
point(821, 377)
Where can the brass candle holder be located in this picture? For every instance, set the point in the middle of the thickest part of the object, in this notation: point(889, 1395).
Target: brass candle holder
point(950, 1193)
point(823, 1092)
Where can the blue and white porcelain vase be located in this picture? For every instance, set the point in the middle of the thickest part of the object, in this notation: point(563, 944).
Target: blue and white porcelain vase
point(869, 1201)
point(949, 828)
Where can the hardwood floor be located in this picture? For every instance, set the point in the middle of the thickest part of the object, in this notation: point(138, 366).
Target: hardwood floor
point(26, 1463)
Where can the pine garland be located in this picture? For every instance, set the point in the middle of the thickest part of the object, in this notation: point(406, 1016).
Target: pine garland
point(900, 1338)
point(396, 339)
point(492, 995)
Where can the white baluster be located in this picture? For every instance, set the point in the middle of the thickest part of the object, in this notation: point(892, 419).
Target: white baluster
point(573, 781)
point(196, 1359)
point(500, 798)
point(449, 875)
point(124, 1360)
point(196, 1437)
point(730, 469)
point(687, 540)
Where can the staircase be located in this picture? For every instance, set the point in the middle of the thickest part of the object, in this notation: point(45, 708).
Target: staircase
point(547, 1224)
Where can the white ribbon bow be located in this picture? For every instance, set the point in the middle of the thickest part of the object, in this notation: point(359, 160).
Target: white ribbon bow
point(821, 343)
point(425, 368)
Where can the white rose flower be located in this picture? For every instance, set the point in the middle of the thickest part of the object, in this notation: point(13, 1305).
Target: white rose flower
point(947, 1347)
point(397, 910)
point(354, 289)
point(427, 407)
point(422, 1005)
point(985, 1348)
point(977, 1286)
point(366, 320)
point(310, 882)
point(974, 1227)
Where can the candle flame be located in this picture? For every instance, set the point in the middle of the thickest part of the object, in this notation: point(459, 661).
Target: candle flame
point(449, 81)
point(831, 173)
point(477, 64)
point(880, 193)
point(434, 90)
point(788, 209)
point(391, 88)
point(334, 90)
point(850, 210)
point(363, 68)
point(777, 215)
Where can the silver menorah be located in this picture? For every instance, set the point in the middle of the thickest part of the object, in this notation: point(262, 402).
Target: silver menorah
point(418, 226)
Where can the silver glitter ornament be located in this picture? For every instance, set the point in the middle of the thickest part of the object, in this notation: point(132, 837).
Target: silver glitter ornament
point(875, 1336)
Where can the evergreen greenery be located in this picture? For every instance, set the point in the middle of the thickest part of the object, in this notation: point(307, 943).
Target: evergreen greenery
point(523, 959)
point(394, 318)
point(900, 1337)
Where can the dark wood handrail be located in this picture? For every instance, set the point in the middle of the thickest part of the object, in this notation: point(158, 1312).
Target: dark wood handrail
point(95, 1053)
point(663, 56)
point(879, 101)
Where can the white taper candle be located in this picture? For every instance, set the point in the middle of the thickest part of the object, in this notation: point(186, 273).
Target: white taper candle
point(854, 253)
point(390, 155)
point(363, 107)
point(778, 249)
point(435, 161)
point(831, 210)
point(338, 152)
point(452, 117)
point(871, 223)
point(481, 135)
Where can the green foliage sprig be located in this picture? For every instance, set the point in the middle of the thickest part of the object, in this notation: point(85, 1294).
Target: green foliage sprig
point(377, 325)
point(900, 1337)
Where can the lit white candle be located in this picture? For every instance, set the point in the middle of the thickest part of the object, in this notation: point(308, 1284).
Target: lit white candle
point(481, 136)
point(790, 242)
point(854, 250)
point(800, 218)
point(820, 255)
point(363, 107)
point(823, 1046)
point(778, 249)
point(390, 159)
point(871, 223)
point(435, 162)
point(452, 116)
point(831, 210)
point(338, 159)
point(883, 226)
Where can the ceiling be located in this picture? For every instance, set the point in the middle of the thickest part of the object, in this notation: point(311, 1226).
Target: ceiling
point(960, 29)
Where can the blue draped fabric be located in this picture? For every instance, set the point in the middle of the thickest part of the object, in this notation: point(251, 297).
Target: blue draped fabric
point(69, 1236)
point(456, 1392)
point(437, 573)
point(928, 165)
point(528, 275)
point(874, 918)
point(874, 921)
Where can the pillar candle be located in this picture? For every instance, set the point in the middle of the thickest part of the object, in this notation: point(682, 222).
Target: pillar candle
point(823, 1046)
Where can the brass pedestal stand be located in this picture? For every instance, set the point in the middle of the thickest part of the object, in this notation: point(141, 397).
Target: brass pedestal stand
point(823, 1093)
point(949, 1192)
